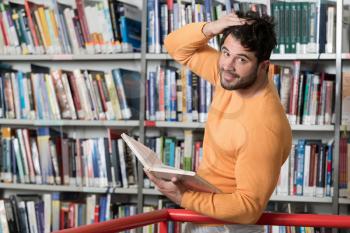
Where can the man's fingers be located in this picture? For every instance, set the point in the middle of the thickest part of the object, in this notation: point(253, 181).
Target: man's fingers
point(158, 182)
point(175, 180)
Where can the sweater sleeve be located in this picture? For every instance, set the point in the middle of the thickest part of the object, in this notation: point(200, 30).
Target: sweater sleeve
point(189, 46)
point(256, 171)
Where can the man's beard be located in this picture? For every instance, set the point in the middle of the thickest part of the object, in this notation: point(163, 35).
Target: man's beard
point(235, 81)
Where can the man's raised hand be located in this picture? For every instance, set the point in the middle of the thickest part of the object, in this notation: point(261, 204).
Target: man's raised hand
point(218, 26)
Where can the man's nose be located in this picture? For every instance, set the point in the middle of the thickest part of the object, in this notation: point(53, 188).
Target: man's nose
point(229, 64)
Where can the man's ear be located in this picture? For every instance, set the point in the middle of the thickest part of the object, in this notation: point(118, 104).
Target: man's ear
point(265, 65)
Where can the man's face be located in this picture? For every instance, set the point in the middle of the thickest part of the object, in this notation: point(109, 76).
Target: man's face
point(238, 66)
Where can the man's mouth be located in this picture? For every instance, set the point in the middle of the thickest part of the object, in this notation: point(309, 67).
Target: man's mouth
point(230, 76)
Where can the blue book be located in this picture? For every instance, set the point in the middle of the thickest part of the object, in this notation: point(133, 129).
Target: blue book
point(152, 95)
point(132, 84)
point(102, 213)
point(300, 167)
point(21, 94)
point(130, 25)
point(131, 32)
point(329, 169)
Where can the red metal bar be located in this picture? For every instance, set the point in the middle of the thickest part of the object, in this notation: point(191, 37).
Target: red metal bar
point(122, 224)
point(278, 219)
point(314, 220)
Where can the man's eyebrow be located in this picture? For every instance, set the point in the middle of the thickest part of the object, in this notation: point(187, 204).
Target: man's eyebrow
point(244, 55)
point(239, 54)
point(224, 48)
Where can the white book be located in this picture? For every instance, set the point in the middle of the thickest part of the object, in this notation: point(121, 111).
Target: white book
point(23, 153)
point(36, 161)
point(121, 151)
point(47, 212)
point(32, 217)
point(153, 164)
point(69, 96)
point(3, 220)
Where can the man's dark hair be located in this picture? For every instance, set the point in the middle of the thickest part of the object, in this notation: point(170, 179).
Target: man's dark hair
point(257, 35)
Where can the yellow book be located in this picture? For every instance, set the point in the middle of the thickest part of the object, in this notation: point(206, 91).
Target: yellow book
point(41, 31)
point(113, 96)
point(54, 23)
point(45, 29)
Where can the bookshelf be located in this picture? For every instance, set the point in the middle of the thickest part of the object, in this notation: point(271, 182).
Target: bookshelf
point(274, 57)
point(72, 57)
point(327, 200)
point(140, 61)
point(67, 123)
point(64, 188)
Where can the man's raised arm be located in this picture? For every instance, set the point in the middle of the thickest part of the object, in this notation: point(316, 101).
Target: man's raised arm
point(189, 45)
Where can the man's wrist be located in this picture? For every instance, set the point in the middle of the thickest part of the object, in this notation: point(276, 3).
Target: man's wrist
point(206, 32)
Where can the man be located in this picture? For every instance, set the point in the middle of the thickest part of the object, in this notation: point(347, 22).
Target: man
point(247, 136)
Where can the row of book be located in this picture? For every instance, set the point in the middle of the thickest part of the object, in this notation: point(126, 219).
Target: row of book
point(344, 165)
point(163, 18)
point(33, 213)
point(308, 171)
point(183, 153)
point(42, 156)
point(180, 95)
point(82, 27)
point(297, 229)
point(302, 27)
point(46, 94)
point(345, 111)
point(307, 97)
point(177, 95)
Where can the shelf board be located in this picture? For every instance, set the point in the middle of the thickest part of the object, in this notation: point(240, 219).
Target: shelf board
point(310, 56)
point(344, 127)
point(274, 57)
point(70, 57)
point(312, 127)
point(301, 199)
point(120, 123)
point(198, 125)
point(344, 200)
point(151, 191)
point(345, 56)
point(64, 188)
point(135, 123)
point(158, 56)
point(273, 198)
point(182, 125)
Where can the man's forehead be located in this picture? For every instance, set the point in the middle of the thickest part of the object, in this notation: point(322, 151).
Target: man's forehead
point(233, 45)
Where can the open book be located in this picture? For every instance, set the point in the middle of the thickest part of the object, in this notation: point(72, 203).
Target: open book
point(153, 164)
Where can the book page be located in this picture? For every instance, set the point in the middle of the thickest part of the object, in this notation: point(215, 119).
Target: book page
point(147, 157)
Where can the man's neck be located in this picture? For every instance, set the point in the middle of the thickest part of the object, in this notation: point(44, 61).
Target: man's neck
point(256, 89)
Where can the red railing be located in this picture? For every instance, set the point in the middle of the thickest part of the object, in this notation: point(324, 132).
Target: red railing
point(164, 215)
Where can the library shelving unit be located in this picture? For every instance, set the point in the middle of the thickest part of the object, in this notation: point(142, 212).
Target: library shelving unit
point(88, 128)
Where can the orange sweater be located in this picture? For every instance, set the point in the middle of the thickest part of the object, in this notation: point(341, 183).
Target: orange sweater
point(246, 140)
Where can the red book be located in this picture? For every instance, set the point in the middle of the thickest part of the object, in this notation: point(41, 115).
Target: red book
point(75, 93)
point(31, 23)
point(3, 30)
point(82, 20)
point(97, 214)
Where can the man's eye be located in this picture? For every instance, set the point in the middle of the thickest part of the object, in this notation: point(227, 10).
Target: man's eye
point(242, 60)
point(226, 54)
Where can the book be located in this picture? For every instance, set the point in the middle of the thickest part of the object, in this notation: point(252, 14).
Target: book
point(154, 165)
